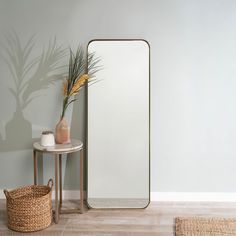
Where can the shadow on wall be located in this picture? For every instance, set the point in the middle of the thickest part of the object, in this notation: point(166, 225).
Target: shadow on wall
point(30, 75)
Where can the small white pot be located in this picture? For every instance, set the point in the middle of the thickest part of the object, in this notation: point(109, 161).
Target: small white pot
point(47, 139)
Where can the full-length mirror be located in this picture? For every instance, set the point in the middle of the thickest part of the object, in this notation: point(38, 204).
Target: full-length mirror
point(118, 141)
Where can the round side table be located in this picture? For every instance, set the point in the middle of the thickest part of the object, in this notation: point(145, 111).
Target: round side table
point(57, 151)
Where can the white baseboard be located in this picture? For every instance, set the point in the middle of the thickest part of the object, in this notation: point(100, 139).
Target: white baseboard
point(193, 196)
point(70, 194)
point(165, 196)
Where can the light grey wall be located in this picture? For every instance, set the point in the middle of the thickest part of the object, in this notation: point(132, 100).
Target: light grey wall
point(192, 74)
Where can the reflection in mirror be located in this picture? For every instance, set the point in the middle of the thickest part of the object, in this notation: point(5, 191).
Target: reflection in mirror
point(118, 126)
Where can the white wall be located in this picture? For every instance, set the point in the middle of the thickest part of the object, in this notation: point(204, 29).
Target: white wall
point(193, 76)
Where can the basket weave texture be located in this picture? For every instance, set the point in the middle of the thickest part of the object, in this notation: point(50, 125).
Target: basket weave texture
point(29, 208)
point(197, 226)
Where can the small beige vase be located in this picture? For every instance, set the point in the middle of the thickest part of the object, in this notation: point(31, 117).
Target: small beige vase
point(62, 133)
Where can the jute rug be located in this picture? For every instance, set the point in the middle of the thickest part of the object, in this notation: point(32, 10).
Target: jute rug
point(205, 226)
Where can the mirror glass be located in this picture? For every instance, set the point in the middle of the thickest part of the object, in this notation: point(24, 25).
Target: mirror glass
point(118, 126)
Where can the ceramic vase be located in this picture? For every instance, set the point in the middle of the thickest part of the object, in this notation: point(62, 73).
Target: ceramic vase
point(62, 133)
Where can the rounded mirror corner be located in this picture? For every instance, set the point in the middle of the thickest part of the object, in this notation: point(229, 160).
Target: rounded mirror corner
point(145, 42)
point(90, 42)
point(148, 203)
point(89, 204)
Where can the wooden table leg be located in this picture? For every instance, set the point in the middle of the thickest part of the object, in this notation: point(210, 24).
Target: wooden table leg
point(60, 179)
point(56, 189)
point(81, 181)
point(35, 167)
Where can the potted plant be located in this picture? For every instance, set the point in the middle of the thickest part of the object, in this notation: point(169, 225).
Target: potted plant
point(81, 71)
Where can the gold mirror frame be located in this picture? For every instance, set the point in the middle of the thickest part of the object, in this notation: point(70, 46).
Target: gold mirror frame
point(149, 125)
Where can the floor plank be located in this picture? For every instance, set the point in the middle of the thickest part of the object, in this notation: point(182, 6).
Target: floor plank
point(157, 219)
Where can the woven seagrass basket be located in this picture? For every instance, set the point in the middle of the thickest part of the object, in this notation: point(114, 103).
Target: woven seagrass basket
point(29, 208)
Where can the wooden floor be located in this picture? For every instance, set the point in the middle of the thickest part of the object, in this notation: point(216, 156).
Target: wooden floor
point(157, 219)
